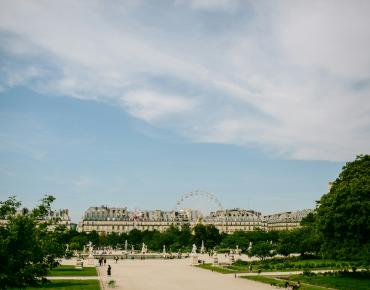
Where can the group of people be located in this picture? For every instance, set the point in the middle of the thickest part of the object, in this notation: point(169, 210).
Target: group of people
point(102, 261)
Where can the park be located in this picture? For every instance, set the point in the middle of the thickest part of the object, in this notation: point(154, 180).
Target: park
point(330, 250)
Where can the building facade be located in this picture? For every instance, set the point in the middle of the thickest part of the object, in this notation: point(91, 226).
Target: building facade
point(106, 220)
point(53, 218)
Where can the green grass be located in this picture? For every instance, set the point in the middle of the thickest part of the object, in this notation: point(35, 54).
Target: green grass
point(216, 269)
point(280, 283)
point(264, 279)
point(339, 281)
point(351, 281)
point(292, 264)
point(72, 271)
point(68, 285)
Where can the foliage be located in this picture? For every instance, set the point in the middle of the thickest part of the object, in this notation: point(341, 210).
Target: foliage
point(287, 243)
point(262, 250)
point(207, 233)
point(27, 249)
point(342, 215)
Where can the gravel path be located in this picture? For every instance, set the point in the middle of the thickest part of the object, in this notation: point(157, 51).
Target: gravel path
point(171, 275)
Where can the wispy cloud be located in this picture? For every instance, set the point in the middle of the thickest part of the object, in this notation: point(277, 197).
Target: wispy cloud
point(291, 77)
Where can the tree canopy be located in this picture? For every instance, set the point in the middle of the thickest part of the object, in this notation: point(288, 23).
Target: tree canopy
point(27, 248)
point(342, 215)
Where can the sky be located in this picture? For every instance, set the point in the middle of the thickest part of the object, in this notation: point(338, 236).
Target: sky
point(135, 103)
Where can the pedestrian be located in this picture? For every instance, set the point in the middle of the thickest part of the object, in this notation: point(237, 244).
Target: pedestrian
point(100, 261)
point(235, 275)
point(250, 268)
point(105, 261)
point(109, 270)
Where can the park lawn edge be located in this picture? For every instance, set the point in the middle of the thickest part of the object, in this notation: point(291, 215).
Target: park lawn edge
point(210, 267)
point(71, 271)
point(94, 282)
point(281, 283)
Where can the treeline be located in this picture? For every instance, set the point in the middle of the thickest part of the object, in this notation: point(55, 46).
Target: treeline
point(263, 244)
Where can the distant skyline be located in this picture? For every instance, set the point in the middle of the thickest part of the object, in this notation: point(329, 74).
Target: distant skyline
point(135, 103)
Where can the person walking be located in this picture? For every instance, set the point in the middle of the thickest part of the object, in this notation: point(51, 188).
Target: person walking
point(109, 270)
point(105, 261)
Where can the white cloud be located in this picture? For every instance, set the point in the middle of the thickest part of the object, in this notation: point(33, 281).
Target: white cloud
point(211, 5)
point(151, 106)
point(291, 77)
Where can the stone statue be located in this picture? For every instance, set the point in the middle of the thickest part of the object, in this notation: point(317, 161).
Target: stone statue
point(164, 249)
point(90, 247)
point(194, 250)
point(126, 244)
point(132, 249)
point(237, 250)
point(144, 249)
point(90, 258)
point(202, 248)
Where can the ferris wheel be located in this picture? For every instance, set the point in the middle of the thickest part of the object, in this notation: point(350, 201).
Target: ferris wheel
point(194, 198)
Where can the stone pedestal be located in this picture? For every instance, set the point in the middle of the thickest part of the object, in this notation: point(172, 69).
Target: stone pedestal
point(194, 259)
point(79, 264)
point(232, 258)
point(90, 260)
point(215, 259)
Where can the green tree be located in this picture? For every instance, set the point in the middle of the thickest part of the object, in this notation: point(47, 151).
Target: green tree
point(207, 233)
point(342, 215)
point(27, 249)
point(262, 250)
point(287, 243)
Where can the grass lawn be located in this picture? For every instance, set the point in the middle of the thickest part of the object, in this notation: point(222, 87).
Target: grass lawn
point(282, 265)
point(216, 269)
point(72, 271)
point(356, 282)
point(69, 285)
point(280, 283)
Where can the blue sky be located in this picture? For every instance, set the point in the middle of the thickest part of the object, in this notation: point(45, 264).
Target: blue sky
point(133, 104)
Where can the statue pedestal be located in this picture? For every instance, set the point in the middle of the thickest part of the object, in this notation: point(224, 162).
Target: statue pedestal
point(194, 259)
point(90, 260)
point(232, 258)
point(215, 260)
point(79, 264)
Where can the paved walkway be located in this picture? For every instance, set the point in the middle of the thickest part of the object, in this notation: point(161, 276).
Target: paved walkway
point(171, 275)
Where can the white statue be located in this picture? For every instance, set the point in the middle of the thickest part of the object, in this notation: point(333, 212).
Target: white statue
point(194, 250)
point(202, 248)
point(132, 249)
point(144, 249)
point(164, 249)
point(126, 245)
point(90, 247)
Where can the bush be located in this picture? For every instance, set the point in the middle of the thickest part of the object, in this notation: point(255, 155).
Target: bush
point(308, 273)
